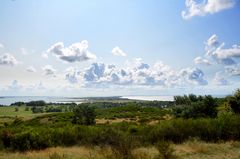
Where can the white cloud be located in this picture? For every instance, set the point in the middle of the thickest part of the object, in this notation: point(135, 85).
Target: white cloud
point(72, 75)
point(199, 60)
point(233, 52)
point(219, 79)
point(76, 52)
point(233, 70)
point(30, 69)
point(8, 60)
point(49, 70)
point(216, 52)
point(194, 75)
point(213, 40)
point(205, 7)
point(143, 74)
point(118, 52)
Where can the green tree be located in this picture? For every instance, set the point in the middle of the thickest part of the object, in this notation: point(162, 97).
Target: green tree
point(83, 114)
point(234, 102)
point(207, 107)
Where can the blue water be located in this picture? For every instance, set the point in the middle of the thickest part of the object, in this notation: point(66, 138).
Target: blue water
point(7, 100)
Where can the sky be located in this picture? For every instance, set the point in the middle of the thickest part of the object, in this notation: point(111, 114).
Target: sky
point(120, 47)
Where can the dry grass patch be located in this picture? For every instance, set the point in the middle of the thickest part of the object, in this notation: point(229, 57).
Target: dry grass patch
point(202, 150)
point(58, 152)
point(188, 150)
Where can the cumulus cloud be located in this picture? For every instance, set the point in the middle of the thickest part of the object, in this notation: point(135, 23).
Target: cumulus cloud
point(8, 60)
point(205, 7)
point(199, 60)
point(222, 53)
point(217, 52)
point(49, 70)
point(72, 75)
point(118, 52)
point(76, 52)
point(194, 75)
point(30, 69)
point(233, 70)
point(219, 79)
point(138, 73)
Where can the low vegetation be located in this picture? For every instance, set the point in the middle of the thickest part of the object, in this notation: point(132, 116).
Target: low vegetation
point(201, 118)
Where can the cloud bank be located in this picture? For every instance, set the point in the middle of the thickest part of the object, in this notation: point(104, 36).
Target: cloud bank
point(138, 74)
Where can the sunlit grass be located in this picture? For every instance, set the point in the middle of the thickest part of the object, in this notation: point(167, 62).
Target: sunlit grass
point(189, 150)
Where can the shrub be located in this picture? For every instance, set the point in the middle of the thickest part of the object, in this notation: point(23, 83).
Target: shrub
point(37, 109)
point(27, 141)
point(17, 104)
point(234, 102)
point(27, 109)
point(206, 107)
point(84, 115)
point(16, 109)
point(165, 150)
point(17, 121)
point(36, 103)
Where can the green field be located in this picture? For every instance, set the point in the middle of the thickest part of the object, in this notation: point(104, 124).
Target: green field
point(9, 113)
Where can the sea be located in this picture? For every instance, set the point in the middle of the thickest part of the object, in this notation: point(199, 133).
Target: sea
point(7, 100)
point(150, 98)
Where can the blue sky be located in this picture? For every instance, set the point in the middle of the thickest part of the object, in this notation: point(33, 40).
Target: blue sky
point(120, 47)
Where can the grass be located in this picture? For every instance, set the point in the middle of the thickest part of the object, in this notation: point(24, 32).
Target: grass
point(8, 114)
point(10, 111)
point(202, 150)
point(188, 150)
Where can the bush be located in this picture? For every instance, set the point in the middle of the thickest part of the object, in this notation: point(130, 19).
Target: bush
point(84, 115)
point(27, 109)
point(36, 103)
point(165, 150)
point(16, 109)
point(206, 107)
point(234, 102)
point(37, 109)
point(54, 109)
point(17, 104)
point(31, 140)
